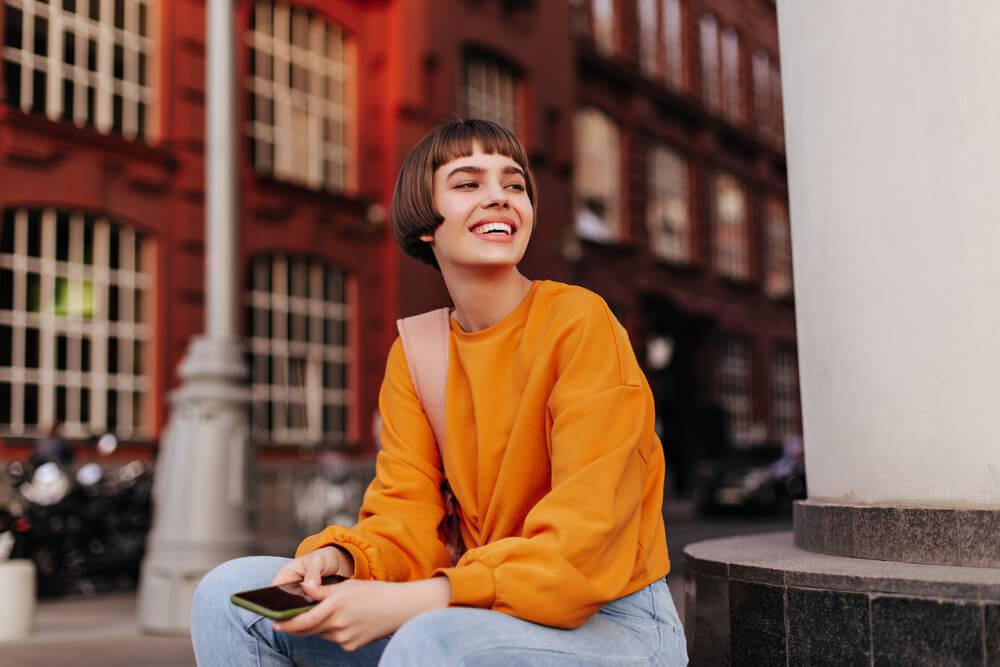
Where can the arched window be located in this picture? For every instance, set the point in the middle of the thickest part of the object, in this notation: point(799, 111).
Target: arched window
point(299, 354)
point(83, 61)
point(75, 324)
point(300, 97)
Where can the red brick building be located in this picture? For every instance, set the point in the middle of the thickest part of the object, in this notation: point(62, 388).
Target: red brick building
point(654, 130)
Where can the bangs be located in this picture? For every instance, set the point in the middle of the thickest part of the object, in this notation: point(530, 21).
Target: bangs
point(457, 140)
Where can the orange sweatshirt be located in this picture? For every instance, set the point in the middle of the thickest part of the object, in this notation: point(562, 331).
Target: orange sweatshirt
point(551, 454)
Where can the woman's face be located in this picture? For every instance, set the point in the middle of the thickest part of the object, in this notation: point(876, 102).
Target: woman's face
point(487, 214)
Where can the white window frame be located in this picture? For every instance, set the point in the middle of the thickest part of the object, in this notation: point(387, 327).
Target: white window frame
point(490, 90)
point(74, 301)
point(597, 176)
point(668, 208)
point(121, 104)
point(299, 319)
point(301, 97)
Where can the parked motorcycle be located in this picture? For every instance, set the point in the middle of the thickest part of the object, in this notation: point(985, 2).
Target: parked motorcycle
point(84, 530)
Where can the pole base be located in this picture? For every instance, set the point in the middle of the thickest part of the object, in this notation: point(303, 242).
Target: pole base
point(201, 494)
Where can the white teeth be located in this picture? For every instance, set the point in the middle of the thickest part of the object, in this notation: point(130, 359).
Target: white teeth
point(494, 227)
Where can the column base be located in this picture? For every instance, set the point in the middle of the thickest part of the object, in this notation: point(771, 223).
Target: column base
point(932, 535)
point(760, 600)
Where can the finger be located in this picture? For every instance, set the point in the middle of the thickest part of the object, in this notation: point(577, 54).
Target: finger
point(289, 573)
point(310, 622)
point(317, 591)
point(313, 572)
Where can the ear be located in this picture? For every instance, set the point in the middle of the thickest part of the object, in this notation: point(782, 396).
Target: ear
point(427, 238)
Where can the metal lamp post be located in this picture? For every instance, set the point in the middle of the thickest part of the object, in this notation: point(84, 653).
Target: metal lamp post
point(201, 508)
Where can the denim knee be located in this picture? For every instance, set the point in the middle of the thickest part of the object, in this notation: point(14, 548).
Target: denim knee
point(211, 604)
point(429, 636)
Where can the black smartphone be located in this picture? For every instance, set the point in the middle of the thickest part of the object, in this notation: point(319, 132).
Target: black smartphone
point(280, 602)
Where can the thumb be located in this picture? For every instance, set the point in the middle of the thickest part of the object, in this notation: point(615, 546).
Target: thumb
point(314, 573)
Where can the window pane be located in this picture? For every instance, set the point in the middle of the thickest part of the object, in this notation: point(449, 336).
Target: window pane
point(6, 344)
point(31, 348)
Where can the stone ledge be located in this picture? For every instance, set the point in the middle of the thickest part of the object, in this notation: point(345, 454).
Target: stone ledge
point(773, 558)
point(938, 536)
point(760, 600)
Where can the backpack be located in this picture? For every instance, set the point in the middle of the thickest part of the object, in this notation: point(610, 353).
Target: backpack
point(425, 339)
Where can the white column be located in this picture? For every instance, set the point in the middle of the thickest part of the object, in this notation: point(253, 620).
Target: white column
point(893, 146)
point(202, 475)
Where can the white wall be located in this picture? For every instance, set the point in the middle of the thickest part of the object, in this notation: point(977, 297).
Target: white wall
point(892, 120)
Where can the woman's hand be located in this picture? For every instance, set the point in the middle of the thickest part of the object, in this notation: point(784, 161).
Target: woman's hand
point(315, 565)
point(354, 613)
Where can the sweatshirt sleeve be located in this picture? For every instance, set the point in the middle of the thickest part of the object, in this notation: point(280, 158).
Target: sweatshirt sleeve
point(396, 536)
point(581, 543)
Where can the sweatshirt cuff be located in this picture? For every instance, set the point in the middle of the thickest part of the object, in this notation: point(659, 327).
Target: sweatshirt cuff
point(362, 569)
point(472, 585)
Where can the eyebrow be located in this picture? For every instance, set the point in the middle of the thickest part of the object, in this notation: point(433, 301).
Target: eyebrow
point(510, 169)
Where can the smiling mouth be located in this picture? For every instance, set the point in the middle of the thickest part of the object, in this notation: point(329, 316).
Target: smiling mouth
point(493, 229)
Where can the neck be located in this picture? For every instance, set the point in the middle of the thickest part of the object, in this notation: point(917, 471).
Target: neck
point(482, 300)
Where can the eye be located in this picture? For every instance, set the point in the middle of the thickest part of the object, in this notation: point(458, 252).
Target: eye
point(468, 185)
point(520, 187)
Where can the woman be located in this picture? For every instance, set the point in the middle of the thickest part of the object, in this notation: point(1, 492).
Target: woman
point(551, 455)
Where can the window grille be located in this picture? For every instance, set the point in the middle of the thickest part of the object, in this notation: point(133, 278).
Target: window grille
point(778, 249)
point(668, 206)
point(597, 172)
point(490, 91)
point(75, 325)
point(82, 61)
point(734, 388)
point(300, 97)
point(785, 390)
point(730, 237)
point(299, 354)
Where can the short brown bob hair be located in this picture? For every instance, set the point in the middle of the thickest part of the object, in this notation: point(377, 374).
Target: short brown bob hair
point(412, 212)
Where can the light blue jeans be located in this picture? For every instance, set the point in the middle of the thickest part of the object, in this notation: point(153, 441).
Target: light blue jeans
point(638, 629)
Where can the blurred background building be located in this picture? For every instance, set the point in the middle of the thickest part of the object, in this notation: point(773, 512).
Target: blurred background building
point(653, 126)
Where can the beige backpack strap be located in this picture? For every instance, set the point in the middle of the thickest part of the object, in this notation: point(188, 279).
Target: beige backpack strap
point(425, 339)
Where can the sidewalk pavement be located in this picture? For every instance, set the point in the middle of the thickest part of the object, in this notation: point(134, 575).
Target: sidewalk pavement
point(102, 631)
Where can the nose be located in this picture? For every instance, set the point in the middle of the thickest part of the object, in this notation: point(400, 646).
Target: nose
point(496, 196)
